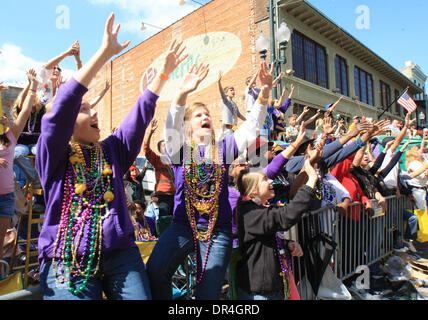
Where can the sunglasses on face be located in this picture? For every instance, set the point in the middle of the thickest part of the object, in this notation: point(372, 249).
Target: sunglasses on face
point(58, 69)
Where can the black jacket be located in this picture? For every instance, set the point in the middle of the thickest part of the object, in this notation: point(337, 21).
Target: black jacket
point(258, 271)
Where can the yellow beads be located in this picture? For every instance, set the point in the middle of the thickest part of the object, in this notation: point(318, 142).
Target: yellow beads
point(108, 196)
point(107, 170)
point(80, 188)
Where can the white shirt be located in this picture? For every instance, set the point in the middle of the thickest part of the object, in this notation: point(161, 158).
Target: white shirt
point(392, 178)
point(420, 180)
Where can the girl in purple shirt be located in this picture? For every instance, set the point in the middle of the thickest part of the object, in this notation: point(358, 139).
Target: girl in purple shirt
point(87, 243)
point(202, 221)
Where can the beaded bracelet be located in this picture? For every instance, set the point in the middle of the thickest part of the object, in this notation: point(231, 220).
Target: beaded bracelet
point(163, 77)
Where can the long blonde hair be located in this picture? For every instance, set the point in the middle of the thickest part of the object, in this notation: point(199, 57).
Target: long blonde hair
point(188, 115)
point(412, 154)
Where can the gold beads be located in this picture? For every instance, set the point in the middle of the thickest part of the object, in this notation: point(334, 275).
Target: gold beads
point(79, 188)
point(108, 196)
point(107, 170)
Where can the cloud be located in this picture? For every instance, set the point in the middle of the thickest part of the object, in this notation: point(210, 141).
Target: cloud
point(14, 64)
point(160, 13)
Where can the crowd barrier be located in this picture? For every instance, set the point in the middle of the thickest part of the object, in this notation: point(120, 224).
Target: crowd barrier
point(344, 242)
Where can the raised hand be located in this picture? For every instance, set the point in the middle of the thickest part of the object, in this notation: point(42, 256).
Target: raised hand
point(153, 125)
point(220, 76)
point(266, 76)
point(2, 87)
point(408, 123)
point(327, 126)
point(173, 57)
point(302, 134)
point(110, 44)
point(191, 80)
point(275, 82)
point(389, 144)
point(32, 78)
point(379, 127)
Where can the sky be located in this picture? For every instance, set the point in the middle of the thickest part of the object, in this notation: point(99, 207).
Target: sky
point(33, 32)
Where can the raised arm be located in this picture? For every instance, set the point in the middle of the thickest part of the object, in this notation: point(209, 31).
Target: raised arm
point(302, 115)
point(401, 135)
point(174, 126)
point(313, 118)
point(247, 133)
point(68, 53)
point(24, 114)
point(280, 160)
point(100, 95)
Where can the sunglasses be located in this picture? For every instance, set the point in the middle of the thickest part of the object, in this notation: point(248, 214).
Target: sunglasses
point(58, 69)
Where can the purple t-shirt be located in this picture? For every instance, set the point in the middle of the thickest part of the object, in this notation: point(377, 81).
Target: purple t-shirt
point(121, 149)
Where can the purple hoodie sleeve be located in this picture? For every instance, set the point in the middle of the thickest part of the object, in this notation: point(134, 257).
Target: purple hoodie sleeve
point(128, 139)
point(276, 165)
point(285, 105)
point(57, 129)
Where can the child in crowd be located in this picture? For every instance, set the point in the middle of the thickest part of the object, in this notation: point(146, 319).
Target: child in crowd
point(8, 141)
point(87, 243)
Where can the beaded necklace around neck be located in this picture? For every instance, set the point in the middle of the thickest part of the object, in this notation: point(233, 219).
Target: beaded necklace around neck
point(87, 192)
point(203, 186)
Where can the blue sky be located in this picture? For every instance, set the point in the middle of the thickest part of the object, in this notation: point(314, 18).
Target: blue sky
point(35, 31)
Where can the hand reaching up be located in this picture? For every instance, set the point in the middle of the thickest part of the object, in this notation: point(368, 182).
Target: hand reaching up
point(173, 57)
point(110, 44)
point(192, 79)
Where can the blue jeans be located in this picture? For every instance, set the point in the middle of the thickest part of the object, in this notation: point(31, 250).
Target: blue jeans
point(412, 225)
point(21, 151)
point(122, 276)
point(244, 295)
point(174, 245)
point(7, 205)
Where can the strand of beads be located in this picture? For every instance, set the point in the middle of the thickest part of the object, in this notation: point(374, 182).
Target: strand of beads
point(285, 268)
point(198, 174)
point(87, 191)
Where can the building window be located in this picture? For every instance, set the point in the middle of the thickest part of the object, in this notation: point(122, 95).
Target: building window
point(385, 94)
point(363, 86)
point(397, 106)
point(309, 60)
point(341, 75)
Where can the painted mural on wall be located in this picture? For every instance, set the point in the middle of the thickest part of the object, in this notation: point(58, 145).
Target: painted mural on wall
point(220, 49)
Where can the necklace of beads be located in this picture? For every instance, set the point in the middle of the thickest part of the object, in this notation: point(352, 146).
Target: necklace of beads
point(203, 186)
point(87, 192)
point(284, 262)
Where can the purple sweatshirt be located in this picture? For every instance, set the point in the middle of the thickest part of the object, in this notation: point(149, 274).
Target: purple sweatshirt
point(224, 219)
point(121, 149)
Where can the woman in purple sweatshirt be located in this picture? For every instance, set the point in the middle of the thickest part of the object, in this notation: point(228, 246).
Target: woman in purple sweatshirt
point(202, 221)
point(87, 243)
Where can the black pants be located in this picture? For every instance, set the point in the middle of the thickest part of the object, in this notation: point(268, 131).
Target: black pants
point(166, 205)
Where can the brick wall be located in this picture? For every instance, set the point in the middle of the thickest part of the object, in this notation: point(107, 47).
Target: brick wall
point(220, 20)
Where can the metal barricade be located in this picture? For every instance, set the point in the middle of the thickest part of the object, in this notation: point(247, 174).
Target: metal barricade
point(360, 240)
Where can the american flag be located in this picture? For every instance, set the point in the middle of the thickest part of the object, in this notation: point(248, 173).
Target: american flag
point(407, 102)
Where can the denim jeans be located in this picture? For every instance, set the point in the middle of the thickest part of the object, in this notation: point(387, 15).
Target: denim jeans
point(122, 276)
point(21, 151)
point(7, 205)
point(412, 225)
point(171, 250)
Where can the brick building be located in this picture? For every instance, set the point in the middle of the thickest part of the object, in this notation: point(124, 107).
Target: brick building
point(223, 33)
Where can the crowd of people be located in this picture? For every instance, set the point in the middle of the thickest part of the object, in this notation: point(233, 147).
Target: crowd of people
point(243, 186)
